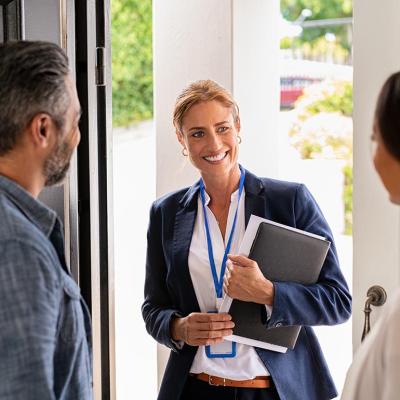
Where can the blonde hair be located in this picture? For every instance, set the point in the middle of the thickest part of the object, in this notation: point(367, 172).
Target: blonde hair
point(196, 92)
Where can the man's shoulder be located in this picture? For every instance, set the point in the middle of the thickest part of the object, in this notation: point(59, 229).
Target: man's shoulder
point(17, 228)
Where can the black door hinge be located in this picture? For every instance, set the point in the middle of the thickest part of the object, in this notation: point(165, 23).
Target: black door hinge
point(100, 66)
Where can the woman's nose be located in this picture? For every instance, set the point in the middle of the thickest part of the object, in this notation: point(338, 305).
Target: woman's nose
point(214, 141)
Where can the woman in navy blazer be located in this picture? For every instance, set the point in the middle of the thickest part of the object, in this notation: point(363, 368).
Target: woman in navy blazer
point(207, 125)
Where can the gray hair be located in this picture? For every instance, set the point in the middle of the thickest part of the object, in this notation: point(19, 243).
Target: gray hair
point(32, 80)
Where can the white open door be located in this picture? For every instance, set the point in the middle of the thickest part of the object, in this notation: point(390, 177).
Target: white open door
point(376, 222)
point(82, 29)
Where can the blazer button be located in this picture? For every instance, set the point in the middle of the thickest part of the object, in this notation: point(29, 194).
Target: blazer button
point(278, 324)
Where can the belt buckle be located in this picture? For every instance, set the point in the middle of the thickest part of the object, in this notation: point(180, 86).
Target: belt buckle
point(210, 382)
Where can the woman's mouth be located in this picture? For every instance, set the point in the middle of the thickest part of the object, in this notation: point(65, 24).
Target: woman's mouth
point(217, 157)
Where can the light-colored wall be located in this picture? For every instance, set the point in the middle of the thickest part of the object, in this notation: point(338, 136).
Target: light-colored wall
point(192, 40)
point(256, 84)
point(376, 222)
point(234, 42)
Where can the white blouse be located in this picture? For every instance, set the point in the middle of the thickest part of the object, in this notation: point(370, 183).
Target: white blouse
point(246, 364)
point(375, 372)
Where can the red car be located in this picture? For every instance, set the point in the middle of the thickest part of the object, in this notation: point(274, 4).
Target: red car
point(292, 88)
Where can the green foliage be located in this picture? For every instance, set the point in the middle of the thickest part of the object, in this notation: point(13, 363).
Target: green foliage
point(321, 9)
point(341, 100)
point(132, 61)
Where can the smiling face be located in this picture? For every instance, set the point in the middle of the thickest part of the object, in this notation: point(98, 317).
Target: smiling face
point(210, 135)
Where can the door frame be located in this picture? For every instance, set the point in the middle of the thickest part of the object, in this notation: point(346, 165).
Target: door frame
point(93, 78)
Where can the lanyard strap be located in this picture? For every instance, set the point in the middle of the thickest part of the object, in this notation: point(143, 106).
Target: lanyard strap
point(218, 283)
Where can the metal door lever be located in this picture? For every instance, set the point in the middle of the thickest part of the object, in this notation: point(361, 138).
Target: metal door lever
point(376, 296)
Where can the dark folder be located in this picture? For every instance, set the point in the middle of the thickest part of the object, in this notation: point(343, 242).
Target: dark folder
point(283, 254)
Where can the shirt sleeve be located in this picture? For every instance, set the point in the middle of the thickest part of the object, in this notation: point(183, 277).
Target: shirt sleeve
point(30, 297)
point(390, 327)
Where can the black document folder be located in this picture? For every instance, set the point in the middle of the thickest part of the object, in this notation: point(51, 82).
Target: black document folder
point(283, 254)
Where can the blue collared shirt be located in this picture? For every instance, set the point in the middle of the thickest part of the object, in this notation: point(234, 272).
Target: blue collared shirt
point(45, 330)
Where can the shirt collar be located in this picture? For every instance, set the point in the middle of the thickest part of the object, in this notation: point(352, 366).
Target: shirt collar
point(38, 213)
point(234, 196)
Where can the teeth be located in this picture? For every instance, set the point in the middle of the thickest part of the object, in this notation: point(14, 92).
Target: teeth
point(218, 157)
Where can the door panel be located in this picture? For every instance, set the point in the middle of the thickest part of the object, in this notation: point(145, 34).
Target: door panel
point(376, 221)
point(77, 202)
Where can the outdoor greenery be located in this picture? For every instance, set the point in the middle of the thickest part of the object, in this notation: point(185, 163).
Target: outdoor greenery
point(322, 129)
point(312, 41)
point(132, 61)
point(340, 100)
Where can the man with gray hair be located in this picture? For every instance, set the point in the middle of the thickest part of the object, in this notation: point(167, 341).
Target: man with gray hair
point(45, 350)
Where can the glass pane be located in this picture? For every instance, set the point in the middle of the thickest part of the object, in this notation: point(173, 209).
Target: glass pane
point(134, 190)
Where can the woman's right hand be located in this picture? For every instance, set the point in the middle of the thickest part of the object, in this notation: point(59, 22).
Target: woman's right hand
point(202, 329)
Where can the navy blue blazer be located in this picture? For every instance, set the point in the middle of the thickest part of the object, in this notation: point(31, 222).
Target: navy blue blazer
point(301, 373)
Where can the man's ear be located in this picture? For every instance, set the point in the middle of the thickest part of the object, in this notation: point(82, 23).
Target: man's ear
point(41, 129)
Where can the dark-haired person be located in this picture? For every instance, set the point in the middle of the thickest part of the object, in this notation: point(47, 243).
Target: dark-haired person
point(191, 232)
point(375, 372)
point(45, 351)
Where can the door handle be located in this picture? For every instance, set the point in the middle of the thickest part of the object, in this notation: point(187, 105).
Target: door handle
point(376, 296)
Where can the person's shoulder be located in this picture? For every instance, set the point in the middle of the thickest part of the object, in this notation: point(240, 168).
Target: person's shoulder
point(393, 308)
point(280, 185)
point(171, 200)
point(276, 188)
point(21, 240)
point(8, 215)
point(28, 261)
point(16, 225)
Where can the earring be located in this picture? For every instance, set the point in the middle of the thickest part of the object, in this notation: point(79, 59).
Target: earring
point(184, 152)
point(239, 139)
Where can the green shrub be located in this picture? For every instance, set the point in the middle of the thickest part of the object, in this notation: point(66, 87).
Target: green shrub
point(341, 100)
point(132, 61)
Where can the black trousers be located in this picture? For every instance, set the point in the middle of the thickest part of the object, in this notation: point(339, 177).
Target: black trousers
point(199, 390)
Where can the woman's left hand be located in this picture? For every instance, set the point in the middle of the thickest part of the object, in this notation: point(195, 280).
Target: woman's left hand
point(244, 281)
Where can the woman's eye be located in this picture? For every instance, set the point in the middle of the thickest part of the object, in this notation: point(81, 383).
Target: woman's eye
point(222, 129)
point(198, 134)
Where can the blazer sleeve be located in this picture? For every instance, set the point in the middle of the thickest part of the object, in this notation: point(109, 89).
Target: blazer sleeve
point(327, 302)
point(157, 309)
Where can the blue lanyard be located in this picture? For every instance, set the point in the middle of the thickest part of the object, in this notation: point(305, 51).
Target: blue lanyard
point(218, 283)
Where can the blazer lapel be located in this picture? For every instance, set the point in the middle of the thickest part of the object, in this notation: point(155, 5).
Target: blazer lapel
point(183, 230)
point(255, 201)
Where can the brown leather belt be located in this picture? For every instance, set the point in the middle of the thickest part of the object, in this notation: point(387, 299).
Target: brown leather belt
point(259, 382)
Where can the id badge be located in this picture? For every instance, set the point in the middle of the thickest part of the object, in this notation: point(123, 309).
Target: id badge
point(225, 349)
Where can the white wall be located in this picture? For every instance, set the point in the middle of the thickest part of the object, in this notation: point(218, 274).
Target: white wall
point(376, 222)
point(234, 42)
point(256, 84)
